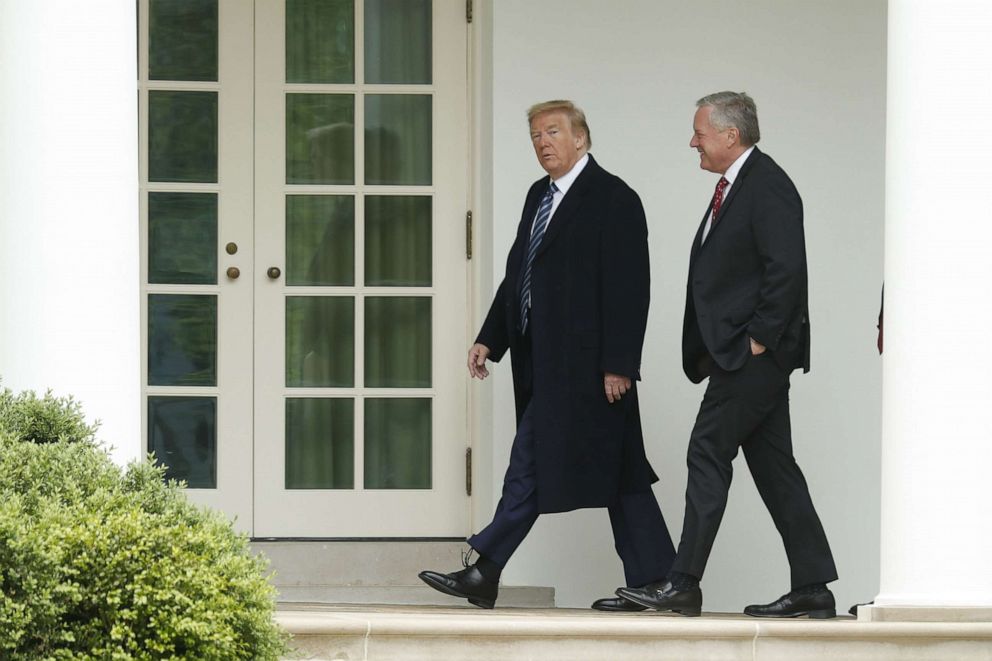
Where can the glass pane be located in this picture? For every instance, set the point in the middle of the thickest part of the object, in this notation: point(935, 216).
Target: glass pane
point(398, 139)
point(320, 341)
point(182, 340)
point(398, 342)
point(320, 41)
point(398, 41)
point(182, 40)
point(320, 139)
point(320, 240)
point(398, 240)
point(182, 238)
point(182, 432)
point(182, 136)
point(320, 443)
point(397, 444)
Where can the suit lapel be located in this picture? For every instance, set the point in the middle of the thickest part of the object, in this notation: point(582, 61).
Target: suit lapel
point(524, 228)
point(530, 209)
point(569, 205)
point(738, 184)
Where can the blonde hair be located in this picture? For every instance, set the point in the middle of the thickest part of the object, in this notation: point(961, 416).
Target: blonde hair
point(576, 117)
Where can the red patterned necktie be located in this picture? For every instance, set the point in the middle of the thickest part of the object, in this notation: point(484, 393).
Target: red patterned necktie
point(718, 199)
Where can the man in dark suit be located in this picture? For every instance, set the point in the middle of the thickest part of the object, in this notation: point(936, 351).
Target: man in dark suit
point(746, 327)
point(572, 310)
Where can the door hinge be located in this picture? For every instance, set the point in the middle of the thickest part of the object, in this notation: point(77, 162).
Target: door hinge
point(468, 235)
point(468, 11)
point(468, 471)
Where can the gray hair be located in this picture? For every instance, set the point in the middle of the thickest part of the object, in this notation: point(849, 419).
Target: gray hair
point(734, 110)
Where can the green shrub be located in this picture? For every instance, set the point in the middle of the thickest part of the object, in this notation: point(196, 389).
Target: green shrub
point(44, 420)
point(97, 562)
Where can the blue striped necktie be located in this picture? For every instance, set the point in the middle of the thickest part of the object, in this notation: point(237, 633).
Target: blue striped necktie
point(540, 226)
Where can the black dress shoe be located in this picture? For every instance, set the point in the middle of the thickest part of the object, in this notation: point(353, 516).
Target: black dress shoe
point(853, 610)
point(617, 605)
point(469, 583)
point(818, 605)
point(663, 596)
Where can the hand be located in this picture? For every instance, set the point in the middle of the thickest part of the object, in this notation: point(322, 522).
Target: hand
point(615, 386)
point(757, 348)
point(477, 361)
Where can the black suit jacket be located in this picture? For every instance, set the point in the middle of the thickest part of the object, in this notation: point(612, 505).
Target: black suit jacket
point(590, 291)
point(749, 277)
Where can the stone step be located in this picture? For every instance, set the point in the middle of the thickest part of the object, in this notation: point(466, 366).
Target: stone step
point(449, 634)
point(375, 572)
point(415, 595)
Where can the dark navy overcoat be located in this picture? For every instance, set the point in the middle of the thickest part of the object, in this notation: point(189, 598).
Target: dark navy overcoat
point(590, 288)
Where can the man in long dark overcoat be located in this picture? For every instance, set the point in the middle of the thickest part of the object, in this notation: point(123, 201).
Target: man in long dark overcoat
point(572, 310)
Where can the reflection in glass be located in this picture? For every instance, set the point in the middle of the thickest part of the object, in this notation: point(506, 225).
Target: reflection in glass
point(320, 41)
point(182, 238)
point(397, 342)
point(182, 340)
point(182, 40)
point(398, 139)
point(320, 341)
point(398, 41)
point(397, 443)
point(320, 443)
point(182, 136)
point(320, 139)
point(398, 241)
point(182, 432)
point(320, 240)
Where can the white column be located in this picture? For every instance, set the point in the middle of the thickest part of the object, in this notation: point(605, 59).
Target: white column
point(936, 534)
point(69, 305)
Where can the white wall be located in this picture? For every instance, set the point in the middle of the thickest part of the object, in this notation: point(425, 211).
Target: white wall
point(69, 208)
point(817, 72)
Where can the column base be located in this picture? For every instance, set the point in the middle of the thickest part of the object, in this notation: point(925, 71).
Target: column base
point(924, 614)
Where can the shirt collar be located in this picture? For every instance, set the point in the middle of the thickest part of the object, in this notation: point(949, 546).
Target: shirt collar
point(736, 166)
point(566, 180)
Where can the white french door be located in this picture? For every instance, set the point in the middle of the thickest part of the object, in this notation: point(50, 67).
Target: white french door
point(304, 187)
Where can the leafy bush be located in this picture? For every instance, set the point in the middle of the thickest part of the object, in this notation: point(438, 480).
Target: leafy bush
point(44, 420)
point(97, 562)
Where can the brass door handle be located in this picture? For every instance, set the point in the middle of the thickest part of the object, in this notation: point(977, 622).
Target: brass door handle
point(273, 272)
point(233, 272)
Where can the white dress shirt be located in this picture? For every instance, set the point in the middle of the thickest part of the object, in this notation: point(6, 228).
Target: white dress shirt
point(729, 175)
point(563, 183)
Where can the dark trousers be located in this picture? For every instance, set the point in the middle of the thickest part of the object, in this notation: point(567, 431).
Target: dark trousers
point(639, 532)
point(749, 409)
